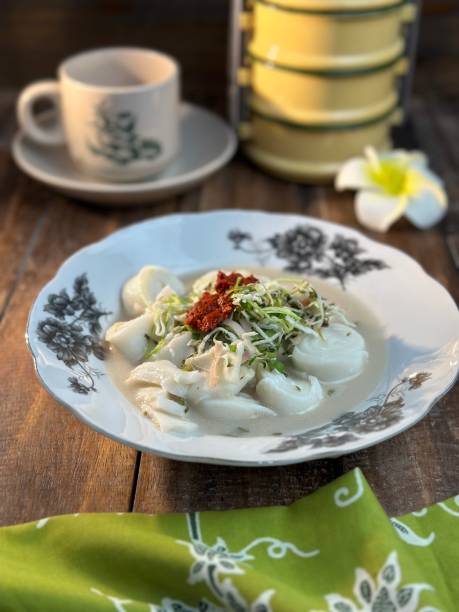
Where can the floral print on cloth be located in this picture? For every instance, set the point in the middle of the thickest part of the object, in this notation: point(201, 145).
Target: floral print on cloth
point(381, 594)
point(333, 551)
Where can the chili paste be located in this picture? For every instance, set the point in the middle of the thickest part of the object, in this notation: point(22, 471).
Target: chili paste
point(213, 308)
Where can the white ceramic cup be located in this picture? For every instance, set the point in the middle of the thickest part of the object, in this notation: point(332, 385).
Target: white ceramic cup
point(117, 111)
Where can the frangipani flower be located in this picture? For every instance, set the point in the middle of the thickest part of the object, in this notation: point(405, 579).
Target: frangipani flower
point(391, 185)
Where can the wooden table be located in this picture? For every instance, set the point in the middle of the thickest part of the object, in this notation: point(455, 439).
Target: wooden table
point(50, 463)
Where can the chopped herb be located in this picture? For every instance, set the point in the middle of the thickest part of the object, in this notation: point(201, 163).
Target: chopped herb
point(233, 347)
point(151, 344)
point(275, 364)
point(331, 392)
point(153, 348)
point(176, 398)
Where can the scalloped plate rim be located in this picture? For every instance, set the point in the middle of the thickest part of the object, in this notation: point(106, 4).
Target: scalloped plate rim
point(280, 458)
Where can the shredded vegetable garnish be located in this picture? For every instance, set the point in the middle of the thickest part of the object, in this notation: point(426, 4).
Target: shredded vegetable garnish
point(268, 317)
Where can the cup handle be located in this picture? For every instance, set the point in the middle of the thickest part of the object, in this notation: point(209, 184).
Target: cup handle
point(48, 90)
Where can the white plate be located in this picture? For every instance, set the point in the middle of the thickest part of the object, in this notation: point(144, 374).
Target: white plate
point(207, 144)
point(420, 319)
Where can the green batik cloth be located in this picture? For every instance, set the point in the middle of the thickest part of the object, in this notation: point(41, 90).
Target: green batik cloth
point(334, 550)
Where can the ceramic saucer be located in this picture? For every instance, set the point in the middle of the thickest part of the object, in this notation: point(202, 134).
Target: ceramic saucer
point(207, 144)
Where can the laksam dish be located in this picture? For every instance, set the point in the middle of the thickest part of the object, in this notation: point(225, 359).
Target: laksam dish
point(232, 352)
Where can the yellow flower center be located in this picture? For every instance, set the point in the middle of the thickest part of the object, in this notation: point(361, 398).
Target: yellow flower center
point(391, 176)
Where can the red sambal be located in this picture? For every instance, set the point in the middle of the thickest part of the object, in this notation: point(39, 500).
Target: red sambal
point(213, 308)
point(225, 282)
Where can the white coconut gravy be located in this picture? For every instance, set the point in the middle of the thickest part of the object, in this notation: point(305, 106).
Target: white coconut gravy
point(338, 398)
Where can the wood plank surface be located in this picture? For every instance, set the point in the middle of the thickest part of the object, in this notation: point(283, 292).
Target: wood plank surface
point(50, 463)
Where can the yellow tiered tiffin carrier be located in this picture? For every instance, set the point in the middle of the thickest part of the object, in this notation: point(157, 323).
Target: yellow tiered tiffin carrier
point(307, 154)
point(329, 35)
point(321, 81)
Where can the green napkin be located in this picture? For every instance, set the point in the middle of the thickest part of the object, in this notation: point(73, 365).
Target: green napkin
point(335, 550)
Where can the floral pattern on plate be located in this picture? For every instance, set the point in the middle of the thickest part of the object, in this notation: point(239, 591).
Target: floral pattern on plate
point(72, 312)
point(309, 250)
point(384, 412)
point(72, 333)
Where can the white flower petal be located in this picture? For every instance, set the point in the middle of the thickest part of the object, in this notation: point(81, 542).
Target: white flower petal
point(416, 158)
point(420, 162)
point(354, 174)
point(377, 211)
point(425, 209)
point(419, 158)
point(424, 179)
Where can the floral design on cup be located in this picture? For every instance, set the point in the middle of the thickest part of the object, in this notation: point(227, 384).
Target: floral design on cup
point(117, 138)
point(72, 333)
